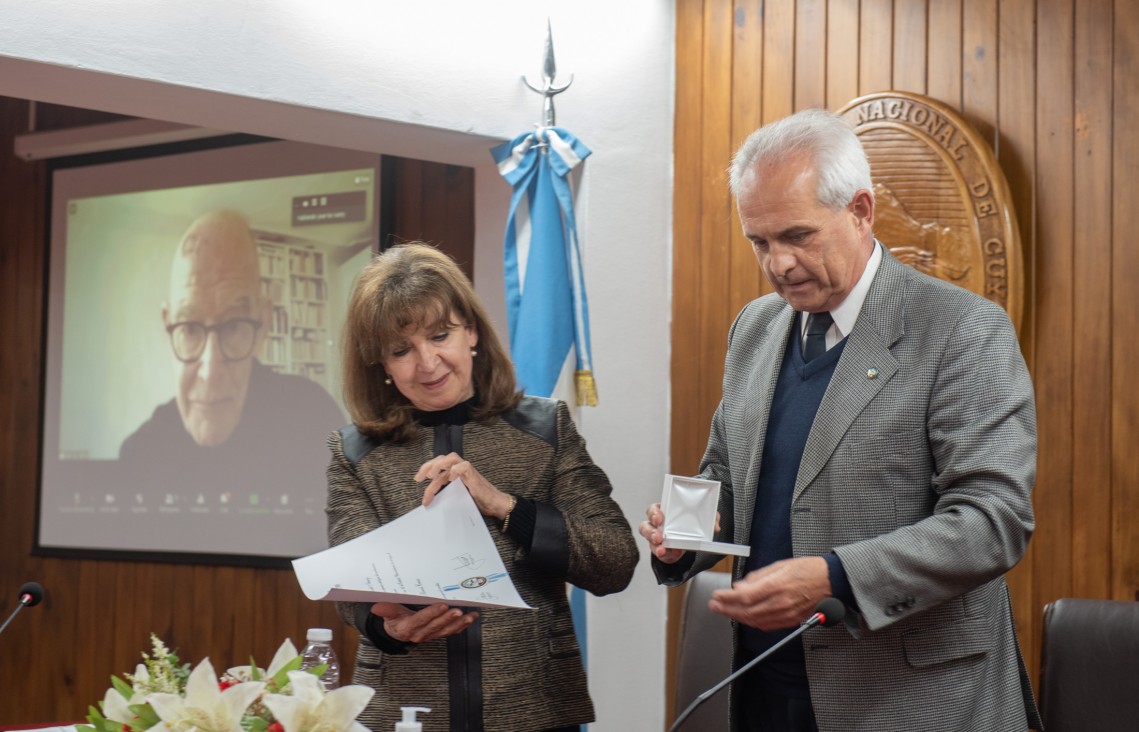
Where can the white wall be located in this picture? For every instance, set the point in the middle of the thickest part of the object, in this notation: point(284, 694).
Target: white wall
point(438, 81)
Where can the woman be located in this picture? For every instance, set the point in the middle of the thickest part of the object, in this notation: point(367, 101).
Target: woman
point(432, 397)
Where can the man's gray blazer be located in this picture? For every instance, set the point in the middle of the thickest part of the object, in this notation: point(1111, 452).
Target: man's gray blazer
point(917, 472)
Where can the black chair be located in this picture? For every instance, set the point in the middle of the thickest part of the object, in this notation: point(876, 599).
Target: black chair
point(704, 654)
point(1089, 666)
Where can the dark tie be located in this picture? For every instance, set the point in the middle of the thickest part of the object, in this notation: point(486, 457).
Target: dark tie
point(817, 326)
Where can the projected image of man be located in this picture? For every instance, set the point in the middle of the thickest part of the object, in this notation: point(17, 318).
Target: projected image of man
point(236, 431)
point(216, 319)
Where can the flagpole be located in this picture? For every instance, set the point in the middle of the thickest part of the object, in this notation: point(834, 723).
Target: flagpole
point(547, 308)
point(548, 90)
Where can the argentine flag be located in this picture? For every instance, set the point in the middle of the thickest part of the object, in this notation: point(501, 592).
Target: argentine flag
point(546, 306)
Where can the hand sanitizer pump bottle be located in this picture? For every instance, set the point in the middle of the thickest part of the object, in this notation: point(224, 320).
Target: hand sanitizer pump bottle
point(409, 723)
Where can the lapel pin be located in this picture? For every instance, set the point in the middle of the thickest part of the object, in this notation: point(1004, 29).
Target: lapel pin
point(872, 373)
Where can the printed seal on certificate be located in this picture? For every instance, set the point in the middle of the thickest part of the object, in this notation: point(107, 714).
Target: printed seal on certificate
point(689, 506)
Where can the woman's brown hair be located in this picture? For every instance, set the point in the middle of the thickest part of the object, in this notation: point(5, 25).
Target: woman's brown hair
point(414, 284)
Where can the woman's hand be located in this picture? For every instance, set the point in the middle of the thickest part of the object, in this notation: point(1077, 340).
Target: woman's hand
point(419, 626)
point(443, 469)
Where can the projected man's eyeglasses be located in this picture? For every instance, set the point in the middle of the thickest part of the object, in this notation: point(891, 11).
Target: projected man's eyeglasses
point(236, 338)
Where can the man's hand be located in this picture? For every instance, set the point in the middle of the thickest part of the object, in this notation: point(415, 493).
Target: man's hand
point(781, 595)
point(411, 626)
point(651, 529)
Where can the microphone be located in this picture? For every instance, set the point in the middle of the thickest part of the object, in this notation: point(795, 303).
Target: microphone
point(31, 593)
point(828, 612)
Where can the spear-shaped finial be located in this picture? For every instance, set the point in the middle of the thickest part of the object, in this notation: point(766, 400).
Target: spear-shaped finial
point(549, 71)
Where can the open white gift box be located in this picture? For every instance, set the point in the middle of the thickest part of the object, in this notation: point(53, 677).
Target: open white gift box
point(689, 506)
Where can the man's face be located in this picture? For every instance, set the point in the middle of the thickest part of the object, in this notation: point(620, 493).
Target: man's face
point(811, 255)
point(214, 279)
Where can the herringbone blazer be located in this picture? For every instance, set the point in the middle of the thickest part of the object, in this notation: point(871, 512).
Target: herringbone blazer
point(917, 472)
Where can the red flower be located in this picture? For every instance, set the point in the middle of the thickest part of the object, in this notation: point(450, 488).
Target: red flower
point(275, 727)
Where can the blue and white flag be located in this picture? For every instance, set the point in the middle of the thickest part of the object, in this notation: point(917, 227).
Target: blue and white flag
point(546, 306)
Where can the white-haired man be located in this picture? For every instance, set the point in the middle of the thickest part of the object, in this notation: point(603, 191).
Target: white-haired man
point(875, 442)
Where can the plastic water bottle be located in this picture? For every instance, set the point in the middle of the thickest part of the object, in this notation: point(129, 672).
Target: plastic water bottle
point(319, 651)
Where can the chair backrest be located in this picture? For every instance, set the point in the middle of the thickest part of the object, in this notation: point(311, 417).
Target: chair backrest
point(1089, 669)
point(704, 654)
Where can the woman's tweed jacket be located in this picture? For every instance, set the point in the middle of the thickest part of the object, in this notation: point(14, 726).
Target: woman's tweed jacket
point(531, 671)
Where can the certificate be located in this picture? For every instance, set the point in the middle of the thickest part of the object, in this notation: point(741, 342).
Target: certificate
point(437, 553)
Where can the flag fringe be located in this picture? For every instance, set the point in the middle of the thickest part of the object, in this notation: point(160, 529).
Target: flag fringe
point(586, 388)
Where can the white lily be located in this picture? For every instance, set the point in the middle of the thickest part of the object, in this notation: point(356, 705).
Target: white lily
point(311, 709)
point(287, 652)
point(205, 708)
point(116, 707)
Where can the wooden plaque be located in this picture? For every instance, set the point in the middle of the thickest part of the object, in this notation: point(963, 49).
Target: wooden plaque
point(942, 202)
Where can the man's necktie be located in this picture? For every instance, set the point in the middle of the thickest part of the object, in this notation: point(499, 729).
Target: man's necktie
point(817, 326)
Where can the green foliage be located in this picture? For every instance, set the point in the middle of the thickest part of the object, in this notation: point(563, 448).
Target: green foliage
point(122, 687)
point(281, 678)
point(254, 724)
point(145, 717)
point(98, 723)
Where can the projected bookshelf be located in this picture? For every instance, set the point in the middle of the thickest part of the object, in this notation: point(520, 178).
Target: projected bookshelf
point(293, 277)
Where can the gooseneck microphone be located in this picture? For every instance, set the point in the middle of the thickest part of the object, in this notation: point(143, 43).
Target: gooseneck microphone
point(828, 612)
point(31, 593)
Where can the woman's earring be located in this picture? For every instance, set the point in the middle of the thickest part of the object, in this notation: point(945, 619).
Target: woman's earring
point(388, 381)
point(474, 353)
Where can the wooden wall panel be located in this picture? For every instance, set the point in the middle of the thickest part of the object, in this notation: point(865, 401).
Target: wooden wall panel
point(810, 54)
point(842, 52)
point(1015, 131)
point(715, 211)
point(943, 77)
point(910, 45)
point(687, 188)
point(778, 60)
point(746, 111)
point(431, 202)
point(1053, 304)
point(1051, 85)
point(875, 47)
point(58, 657)
point(686, 361)
point(979, 66)
point(1124, 346)
point(1091, 300)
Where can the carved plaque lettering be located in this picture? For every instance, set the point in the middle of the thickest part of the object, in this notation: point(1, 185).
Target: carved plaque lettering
point(942, 202)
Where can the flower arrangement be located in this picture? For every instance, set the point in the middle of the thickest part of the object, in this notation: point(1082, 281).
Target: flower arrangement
point(164, 695)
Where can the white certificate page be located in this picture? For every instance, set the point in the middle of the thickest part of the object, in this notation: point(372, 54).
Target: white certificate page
point(437, 553)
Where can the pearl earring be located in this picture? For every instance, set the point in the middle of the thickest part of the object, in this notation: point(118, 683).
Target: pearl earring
point(474, 353)
point(388, 381)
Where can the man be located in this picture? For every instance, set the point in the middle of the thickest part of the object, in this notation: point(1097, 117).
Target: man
point(237, 436)
point(875, 441)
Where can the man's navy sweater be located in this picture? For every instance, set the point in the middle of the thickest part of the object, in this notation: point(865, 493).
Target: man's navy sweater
point(798, 393)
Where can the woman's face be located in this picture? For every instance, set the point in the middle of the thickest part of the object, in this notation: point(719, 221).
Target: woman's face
point(433, 368)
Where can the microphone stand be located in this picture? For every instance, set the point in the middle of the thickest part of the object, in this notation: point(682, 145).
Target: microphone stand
point(828, 612)
point(19, 607)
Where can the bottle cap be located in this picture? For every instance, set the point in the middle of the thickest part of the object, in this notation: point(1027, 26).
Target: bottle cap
point(409, 723)
point(320, 635)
